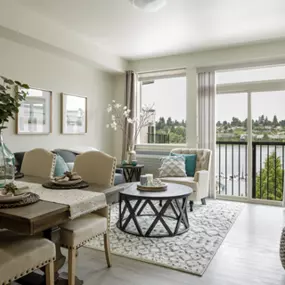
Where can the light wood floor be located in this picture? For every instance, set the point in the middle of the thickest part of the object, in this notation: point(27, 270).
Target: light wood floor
point(249, 255)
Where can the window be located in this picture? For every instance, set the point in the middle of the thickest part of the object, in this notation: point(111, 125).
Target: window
point(167, 96)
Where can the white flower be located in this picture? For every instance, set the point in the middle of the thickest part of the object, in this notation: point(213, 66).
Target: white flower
point(109, 109)
point(114, 101)
point(107, 126)
point(125, 108)
point(114, 125)
point(117, 106)
point(126, 114)
point(130, 121)
point(113, 118)
point(129, 111)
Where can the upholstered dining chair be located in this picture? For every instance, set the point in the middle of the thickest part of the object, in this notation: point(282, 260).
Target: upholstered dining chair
point(98, 168)
point(21, 255)
point(39, 163)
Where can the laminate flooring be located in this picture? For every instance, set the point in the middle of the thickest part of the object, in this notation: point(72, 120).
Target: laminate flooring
point(248, 255)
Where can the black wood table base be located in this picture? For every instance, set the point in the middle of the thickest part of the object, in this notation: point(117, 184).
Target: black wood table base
point(130, 209)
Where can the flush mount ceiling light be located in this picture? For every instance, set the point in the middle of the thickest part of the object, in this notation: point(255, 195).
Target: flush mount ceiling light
point(148, 5)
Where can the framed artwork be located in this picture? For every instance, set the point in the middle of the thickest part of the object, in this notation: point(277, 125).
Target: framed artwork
point(35, 113)
point(74, 114)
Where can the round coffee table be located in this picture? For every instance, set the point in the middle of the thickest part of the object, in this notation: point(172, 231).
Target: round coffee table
point(133, 202)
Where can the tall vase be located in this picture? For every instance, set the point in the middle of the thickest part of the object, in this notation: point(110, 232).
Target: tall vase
point(7, 164)
point(131, 154)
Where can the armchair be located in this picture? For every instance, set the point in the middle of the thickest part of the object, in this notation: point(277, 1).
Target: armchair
point(200, 182)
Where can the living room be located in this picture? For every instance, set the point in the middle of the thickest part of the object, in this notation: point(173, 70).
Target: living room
point(136, 89)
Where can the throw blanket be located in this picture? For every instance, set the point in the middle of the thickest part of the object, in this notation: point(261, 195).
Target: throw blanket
point(80, 202)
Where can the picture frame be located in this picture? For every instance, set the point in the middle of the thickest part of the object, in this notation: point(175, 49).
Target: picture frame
point(73, 114)
point(35, 113)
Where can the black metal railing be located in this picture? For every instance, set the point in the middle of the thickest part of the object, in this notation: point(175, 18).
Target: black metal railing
point(157, 138)
point(232, 168)
point(267, 169)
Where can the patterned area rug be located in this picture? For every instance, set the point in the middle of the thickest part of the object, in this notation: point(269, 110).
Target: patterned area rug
point(190, 252)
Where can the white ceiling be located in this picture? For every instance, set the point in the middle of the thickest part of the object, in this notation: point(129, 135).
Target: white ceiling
point(181, 26)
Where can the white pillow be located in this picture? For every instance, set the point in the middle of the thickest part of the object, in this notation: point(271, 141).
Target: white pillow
point(172, 166)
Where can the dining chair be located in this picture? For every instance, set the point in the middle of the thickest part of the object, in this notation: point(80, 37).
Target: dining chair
point(96, 167)
point(99, 168)
point(21, 255)
point(39, 162)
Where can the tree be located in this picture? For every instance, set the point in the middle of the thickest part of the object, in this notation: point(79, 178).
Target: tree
point(169, 122)
point(275, 121)
point(270, 176)
point(218, 124)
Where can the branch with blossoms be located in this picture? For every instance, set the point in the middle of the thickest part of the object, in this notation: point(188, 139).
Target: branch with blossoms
point(120, 119)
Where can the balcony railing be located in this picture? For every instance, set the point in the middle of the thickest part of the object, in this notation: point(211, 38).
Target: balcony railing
point(157, 138)
point(267, 169)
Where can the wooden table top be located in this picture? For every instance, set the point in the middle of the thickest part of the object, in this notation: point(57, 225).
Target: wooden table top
point(34, 218)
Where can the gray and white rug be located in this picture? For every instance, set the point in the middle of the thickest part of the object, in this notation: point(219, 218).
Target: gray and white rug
point(190, 252)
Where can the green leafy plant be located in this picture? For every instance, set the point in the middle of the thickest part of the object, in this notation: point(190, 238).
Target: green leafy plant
point(9, 104)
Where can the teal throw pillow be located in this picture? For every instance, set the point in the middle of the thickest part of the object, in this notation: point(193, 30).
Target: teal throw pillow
point(190, 163)
point(60, 166)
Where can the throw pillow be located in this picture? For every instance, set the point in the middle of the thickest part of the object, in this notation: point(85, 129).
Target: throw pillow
point(60, 166)
point(172, 166)
point(190, 163)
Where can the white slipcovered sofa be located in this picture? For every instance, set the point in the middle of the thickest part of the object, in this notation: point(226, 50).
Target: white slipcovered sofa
point(200, 182)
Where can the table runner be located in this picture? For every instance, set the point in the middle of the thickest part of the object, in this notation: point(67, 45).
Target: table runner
point(80, 202)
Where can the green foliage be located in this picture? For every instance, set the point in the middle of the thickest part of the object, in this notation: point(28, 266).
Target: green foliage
point(9, 105)
point(176, 130)
point(270, 174)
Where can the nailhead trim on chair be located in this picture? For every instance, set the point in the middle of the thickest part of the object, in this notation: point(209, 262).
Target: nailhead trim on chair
point(85, 241)
point(7, 282)
point(53, 166)
point(82, 243)
point(112, 179)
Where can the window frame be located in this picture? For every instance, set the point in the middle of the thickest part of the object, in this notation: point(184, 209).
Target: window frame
point(149, 76)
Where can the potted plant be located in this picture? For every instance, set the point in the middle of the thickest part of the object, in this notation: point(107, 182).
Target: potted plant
point(11, 95)
point(120, 119)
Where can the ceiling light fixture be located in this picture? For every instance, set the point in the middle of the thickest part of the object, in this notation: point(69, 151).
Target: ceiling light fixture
point(148, 5)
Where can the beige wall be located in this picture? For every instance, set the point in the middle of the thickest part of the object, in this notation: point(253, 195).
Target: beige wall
point(48, 71)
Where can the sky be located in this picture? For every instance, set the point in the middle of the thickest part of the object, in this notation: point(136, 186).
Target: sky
point(169, 96)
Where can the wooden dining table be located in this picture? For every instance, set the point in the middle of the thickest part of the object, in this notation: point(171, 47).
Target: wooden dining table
point(41, 218)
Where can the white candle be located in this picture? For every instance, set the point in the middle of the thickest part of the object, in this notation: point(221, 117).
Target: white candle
point(149, 179)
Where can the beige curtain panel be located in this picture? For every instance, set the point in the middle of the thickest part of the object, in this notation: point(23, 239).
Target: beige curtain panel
point(130, 102)
point(207, 120)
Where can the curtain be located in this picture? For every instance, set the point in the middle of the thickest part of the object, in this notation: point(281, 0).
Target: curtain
point(206, 120)
point(130, 102)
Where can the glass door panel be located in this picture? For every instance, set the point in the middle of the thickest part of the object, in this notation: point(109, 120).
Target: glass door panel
point(231, 147)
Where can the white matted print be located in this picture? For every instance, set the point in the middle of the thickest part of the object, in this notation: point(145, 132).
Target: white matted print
point(74, 114)
point(34, 116)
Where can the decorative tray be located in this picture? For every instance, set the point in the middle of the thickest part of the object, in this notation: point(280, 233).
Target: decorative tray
point(51, 185)
point(26, 199)
point(69, 182)
point(162, 187)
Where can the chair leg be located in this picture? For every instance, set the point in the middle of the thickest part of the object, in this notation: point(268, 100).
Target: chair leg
point(203, 201)
point(49, 271)
point(191, 206)
point(107, 249)
point(71, 266)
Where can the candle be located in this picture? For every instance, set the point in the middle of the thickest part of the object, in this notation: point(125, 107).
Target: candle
point(149, 179)
point(143, 180)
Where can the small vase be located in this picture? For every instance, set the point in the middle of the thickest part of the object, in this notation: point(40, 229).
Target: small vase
point(131, 155)
point(7, 164)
